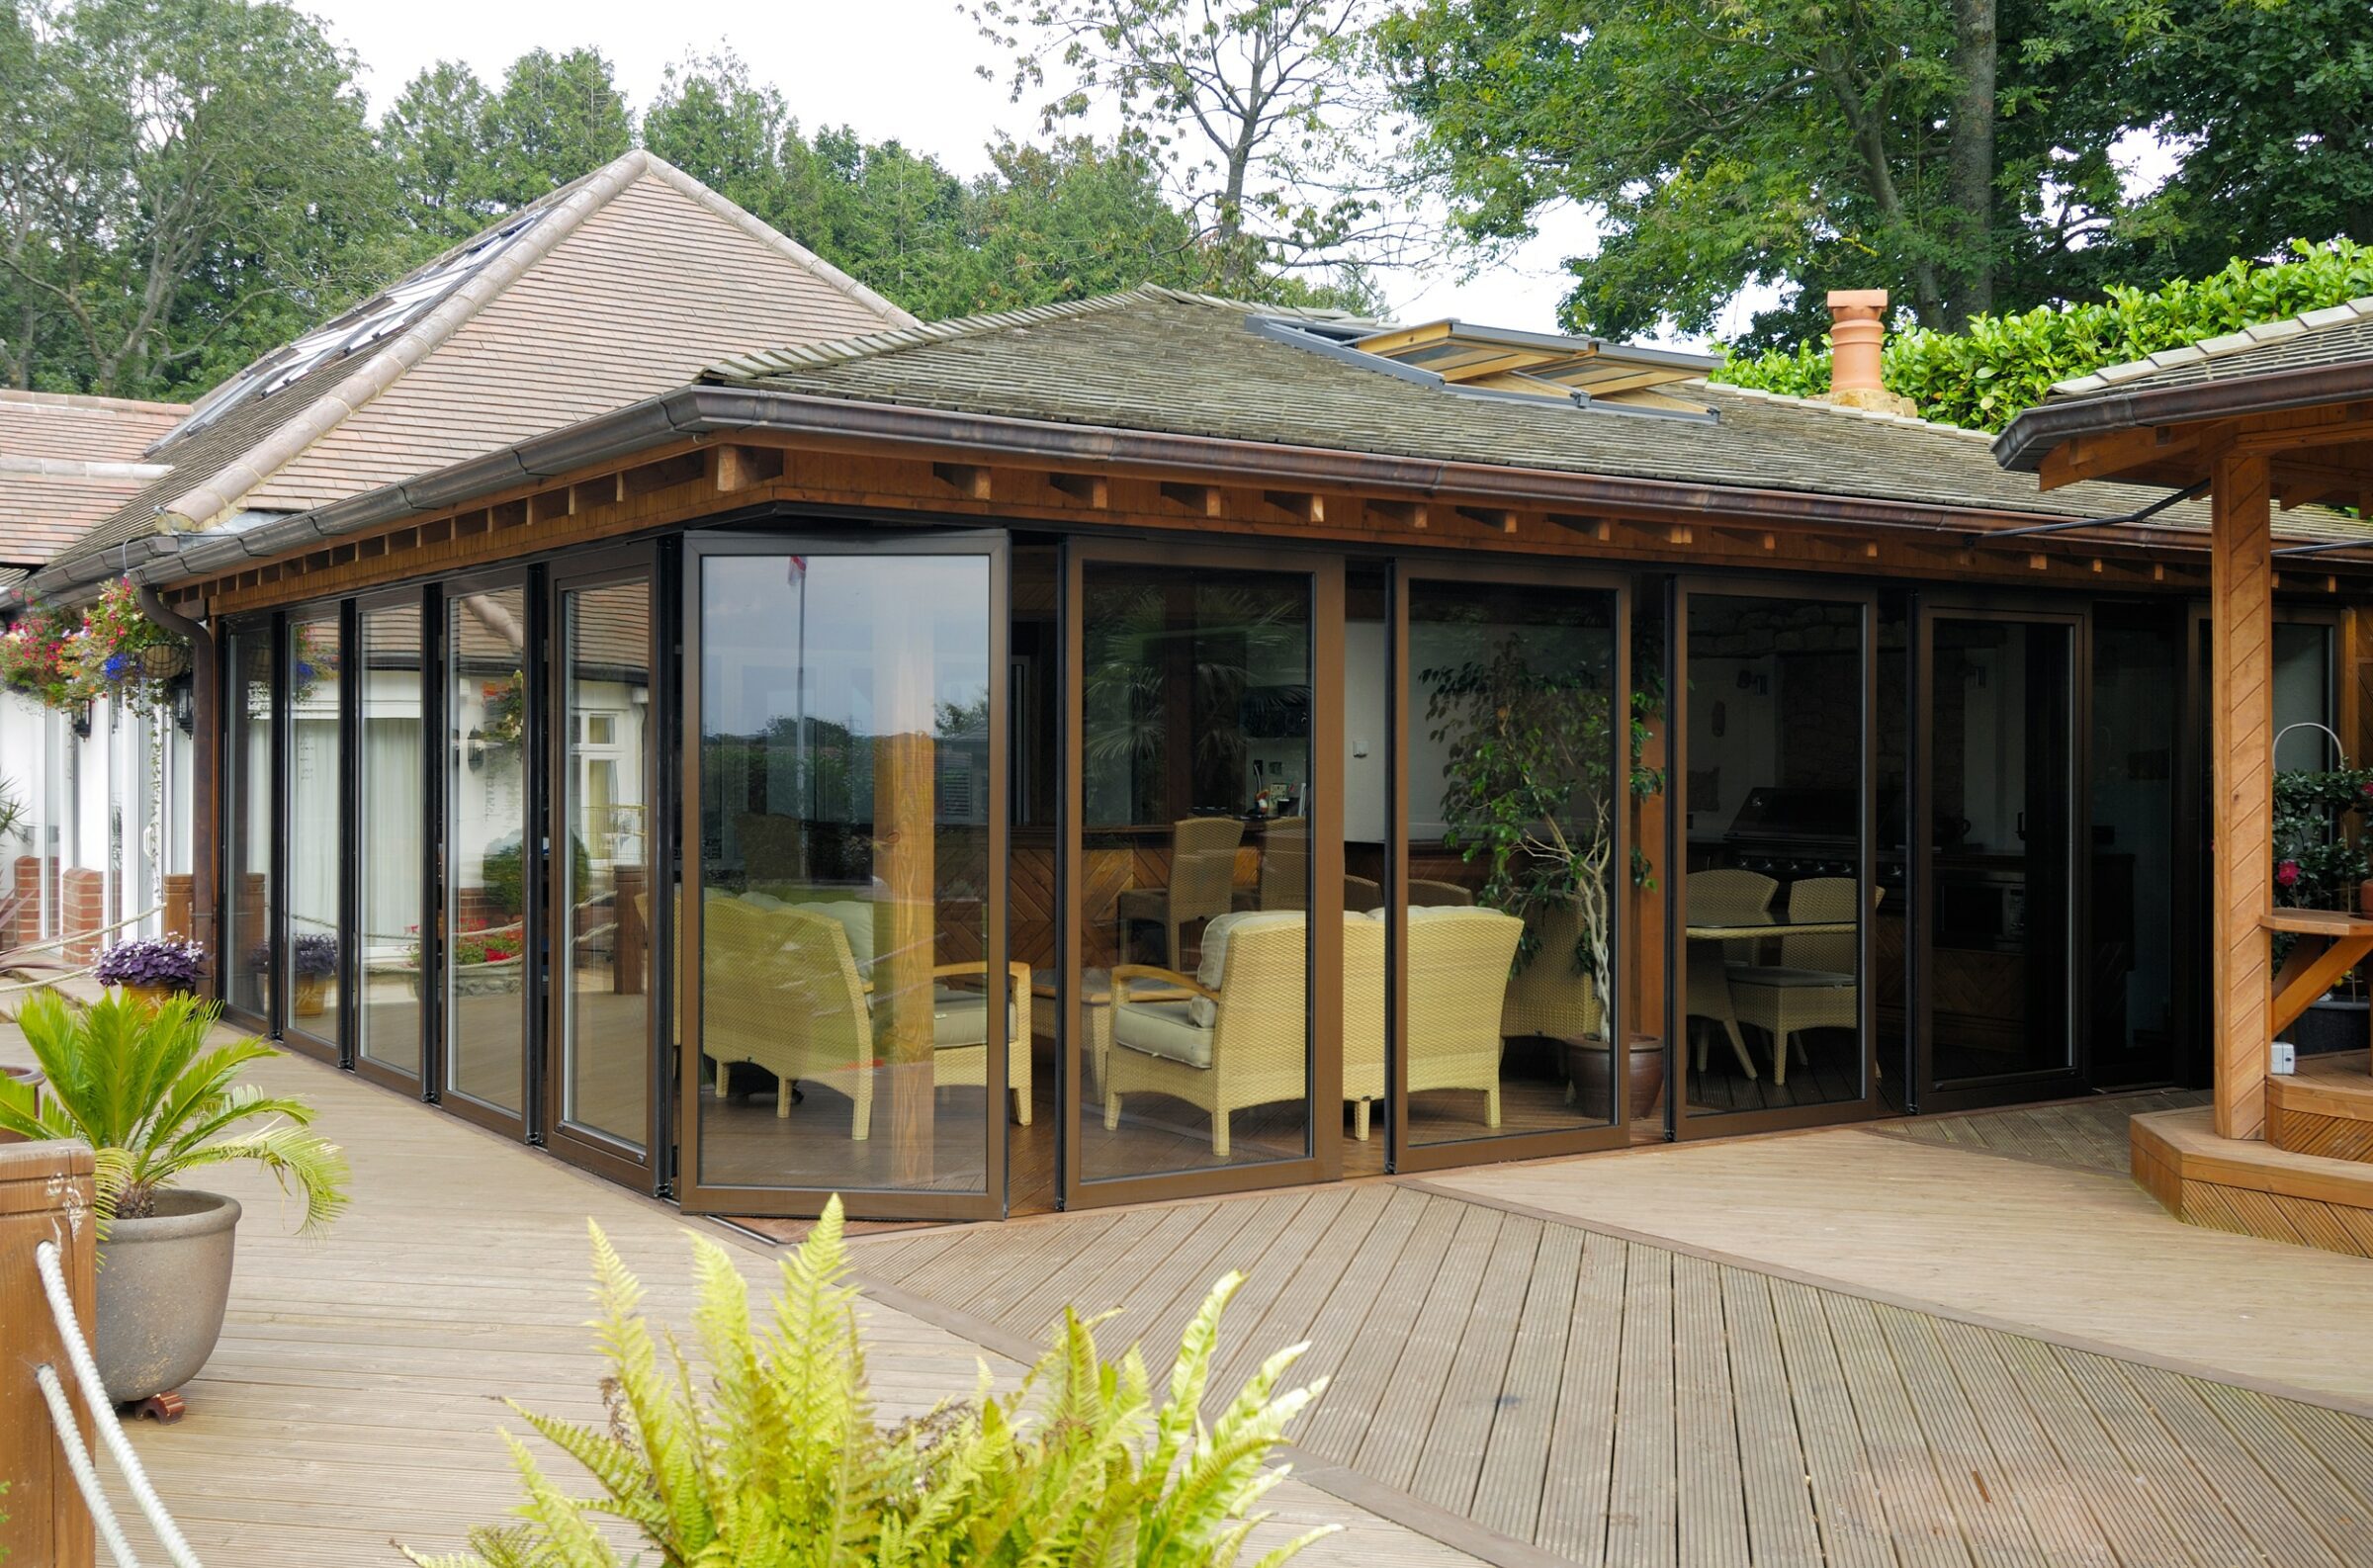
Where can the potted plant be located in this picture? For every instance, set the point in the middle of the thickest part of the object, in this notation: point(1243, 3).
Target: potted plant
point(124, 655)
point(153, 967)
point(312, 960)
point(2318, 864)
point(142, 1086)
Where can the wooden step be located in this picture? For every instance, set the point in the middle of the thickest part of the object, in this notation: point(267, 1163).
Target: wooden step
point(2325, 1108)
point(2252, 1188)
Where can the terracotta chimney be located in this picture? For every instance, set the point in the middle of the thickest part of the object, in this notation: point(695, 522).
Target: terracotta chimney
point(1857, 332)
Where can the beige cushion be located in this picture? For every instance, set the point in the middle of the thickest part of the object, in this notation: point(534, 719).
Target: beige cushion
point(959, 1019)
point(856, 918)
point(1164, 1029)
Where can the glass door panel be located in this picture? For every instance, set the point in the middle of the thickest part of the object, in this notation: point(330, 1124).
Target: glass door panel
point(1775, 893)
point(489, 873)
point(317, 845)
point(2136, 1029)
point(853, 1009)
point(393, 855)
point(246, 953)
point(603, 953)
point(2003, 878)
point(1198, 838)
point(1517, 792)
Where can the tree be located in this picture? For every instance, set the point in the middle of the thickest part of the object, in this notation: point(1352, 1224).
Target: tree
point(558, 119)
point(1247, 107)
point(711, 121)
point(186, 182)
point(436, 135)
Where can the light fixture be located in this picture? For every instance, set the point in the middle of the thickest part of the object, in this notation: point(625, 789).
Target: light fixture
point(474, 749)
point(185, 705)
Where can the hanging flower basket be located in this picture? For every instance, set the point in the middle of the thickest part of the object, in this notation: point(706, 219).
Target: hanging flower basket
point(164, 661)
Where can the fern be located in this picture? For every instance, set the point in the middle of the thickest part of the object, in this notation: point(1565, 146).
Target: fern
point(769, 1454)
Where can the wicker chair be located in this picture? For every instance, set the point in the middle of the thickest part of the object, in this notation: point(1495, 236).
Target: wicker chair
point(1813, 986)
point(1202, 876)
point(1237, 1041)
point(1724, 897)
point(1427, 893)
point(1548, 997)
point(779, 989)
point(1459, 958)
point(960, 1030)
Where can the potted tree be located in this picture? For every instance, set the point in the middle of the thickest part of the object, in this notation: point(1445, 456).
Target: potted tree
point(153, 967)
point(1529, 791)
point(139, 1083)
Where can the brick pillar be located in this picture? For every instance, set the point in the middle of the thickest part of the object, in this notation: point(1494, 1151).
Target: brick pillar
point(25, 878)
point(82, 904)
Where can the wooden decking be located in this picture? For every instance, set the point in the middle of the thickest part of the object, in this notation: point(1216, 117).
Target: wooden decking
point(2082, 1135)
point(1603, 1400)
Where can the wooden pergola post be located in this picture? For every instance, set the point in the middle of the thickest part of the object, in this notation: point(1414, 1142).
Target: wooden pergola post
point(2241, 808)
point(905, 872)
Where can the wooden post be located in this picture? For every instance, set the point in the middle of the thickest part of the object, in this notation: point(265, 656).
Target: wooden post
point(1643, 1009)
point(44, 1195)
point(2241, 804)
point(906, 871)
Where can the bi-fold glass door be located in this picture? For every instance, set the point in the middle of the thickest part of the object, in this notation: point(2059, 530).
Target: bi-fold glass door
point(850, 1023)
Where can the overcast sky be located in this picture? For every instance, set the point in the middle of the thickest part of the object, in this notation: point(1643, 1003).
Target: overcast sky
point(892, 68)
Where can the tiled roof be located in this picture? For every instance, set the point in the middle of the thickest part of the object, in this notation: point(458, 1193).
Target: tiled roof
point(68, 461)
point(1155, 360)
point(2337, 333)
point(614, 287)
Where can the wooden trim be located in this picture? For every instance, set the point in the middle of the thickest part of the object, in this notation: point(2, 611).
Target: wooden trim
point(2241, 801)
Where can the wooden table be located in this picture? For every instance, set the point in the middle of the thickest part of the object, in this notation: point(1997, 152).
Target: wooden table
point(1749, 934)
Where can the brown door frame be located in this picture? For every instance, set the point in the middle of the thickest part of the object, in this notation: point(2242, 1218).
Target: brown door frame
point(1322, 1157)
point(292, 1034)
point(1723, 1124)
point(412, 596)
point(694, 1196)
point(590, 1147)
point(520, 1124)
point(1928, 1096)
point(1401, 1154)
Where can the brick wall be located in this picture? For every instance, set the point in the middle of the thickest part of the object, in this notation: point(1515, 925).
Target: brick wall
point(24, 925)
point(82, 902)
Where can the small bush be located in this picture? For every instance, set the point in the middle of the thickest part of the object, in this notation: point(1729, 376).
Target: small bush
point(774, 1459)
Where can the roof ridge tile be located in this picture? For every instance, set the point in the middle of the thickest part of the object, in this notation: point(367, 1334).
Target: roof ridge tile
point(2255, 336)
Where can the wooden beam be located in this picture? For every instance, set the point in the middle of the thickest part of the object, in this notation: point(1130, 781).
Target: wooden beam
point(1201, 499)
point(1089, 489)
point(739, 467)
point(1303, 507)
point(1498, 519)
point(1597, 528)
point(968, 480)
point(2109, 453)
point(545, 505)
point(2242, 797)
point(1408, 514)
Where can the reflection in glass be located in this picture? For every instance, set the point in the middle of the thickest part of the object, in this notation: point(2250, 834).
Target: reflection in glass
point(846, 1029)
point(485, 844)
point(2138, 679)
point(605, 928)
point(393, 823)
point(1773, 901)
point(1196, 766)
point(2003, 779)
point(1515, 767)
point(246, 956)
point(315, 840)
point(2303, 696)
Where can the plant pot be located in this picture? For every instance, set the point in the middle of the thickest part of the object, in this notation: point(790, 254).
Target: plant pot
point(23, 1074)
point(2331, 1024)
point(151, 995)
point(1586, 1066)
point(2364, 897)
point(309, 993)
point(163, 660)
point(163, 1284)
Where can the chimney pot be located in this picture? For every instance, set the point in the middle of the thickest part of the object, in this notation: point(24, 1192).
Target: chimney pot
point(1856, 333)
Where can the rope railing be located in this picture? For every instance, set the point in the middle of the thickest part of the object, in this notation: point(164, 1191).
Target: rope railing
point(94, 1394)
point(15, 955)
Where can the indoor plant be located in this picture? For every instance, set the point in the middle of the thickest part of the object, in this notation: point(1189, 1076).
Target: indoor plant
point(141, 1084)
point(153, 967)
point(312, 960)
point(774, 1454)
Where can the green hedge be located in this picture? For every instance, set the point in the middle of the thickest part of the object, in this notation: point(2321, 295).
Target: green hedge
point(1982, 378)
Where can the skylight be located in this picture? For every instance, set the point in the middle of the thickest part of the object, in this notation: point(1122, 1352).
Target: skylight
point(1501, 362)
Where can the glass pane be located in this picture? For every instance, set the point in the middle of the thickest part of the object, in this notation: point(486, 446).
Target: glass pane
point(316, 843)
point(488, 866)
point(1367, 858)
point(2303, 707)
point(1773, 898)
point(1195, 872)
point(2000, 967)
point(246, 957)
point(606, 956)
point(845, 1032)
point(394, 824)
point(1516, 769)
point(2138, 681)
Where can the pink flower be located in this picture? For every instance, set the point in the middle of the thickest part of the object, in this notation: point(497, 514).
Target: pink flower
point(2287, 873)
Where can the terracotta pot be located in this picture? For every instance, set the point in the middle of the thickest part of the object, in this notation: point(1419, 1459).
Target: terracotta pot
point(1586, 1066)
point(23, 1074)
point(152, 994)
point(164, 1282)
point(307, 1000)
point(2364, 897)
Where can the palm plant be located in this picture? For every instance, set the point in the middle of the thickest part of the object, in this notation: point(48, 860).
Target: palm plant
point(141, 1086)
point(775, 1455)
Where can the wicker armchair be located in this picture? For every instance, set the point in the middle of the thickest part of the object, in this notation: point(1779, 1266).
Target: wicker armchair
point(779, 989)
point(1548, 997)
point(1238, 1041)
point(1202, 878)
point(1724, 897)
point(1459, 958)
point(1813, 986)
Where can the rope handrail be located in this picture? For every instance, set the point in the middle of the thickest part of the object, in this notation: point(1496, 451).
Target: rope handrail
point(11, 955)
point(79, 1462)
point(94, 1394)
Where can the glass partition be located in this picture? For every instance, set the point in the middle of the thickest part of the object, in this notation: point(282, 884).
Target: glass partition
point(1196, 865)
point(1517, 776)
point(603, 948)
point(488, 873)
point(851, 1006)
point(245, 959)
point(316, 840)
point(391, 854)
point(1775, 889)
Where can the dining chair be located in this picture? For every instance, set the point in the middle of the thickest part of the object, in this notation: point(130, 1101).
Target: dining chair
point(1815, 983)
point(1725, 896)
point(1202, 877)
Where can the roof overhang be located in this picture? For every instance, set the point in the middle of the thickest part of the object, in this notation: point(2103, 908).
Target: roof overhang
point(2034, 435)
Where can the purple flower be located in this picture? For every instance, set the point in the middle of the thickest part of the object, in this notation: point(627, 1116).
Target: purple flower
point(152, 961)
point(117, 665)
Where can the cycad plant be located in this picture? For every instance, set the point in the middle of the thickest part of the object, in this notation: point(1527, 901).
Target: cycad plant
point(139, 1082)
point(774, 1458)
